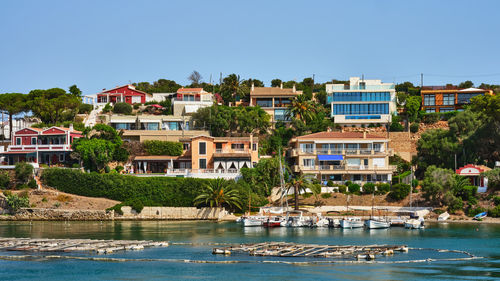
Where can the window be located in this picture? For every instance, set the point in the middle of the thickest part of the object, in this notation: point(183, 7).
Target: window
point(33, 140)
point(353, 161)
point(281, 115)
point(254, 147)
point(152, 126)
point(446, 109)
point(306, 147)
point(379, 162)
point(237, 146)
point(377, 146)
point(351, 109)
point(202, 148)
point(356, 177)
point(429, 100)
point(430, 110)
point(203, 163)
point(448, 99)
point(185, 146)
point(18, 141)
point(365, 162)
point(265, 102)
point(61, 157)
point(308, 162)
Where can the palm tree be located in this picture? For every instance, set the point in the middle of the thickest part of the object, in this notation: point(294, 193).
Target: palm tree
point(219, 192)
point(232, 86)
point(299, 183)
point(301, 108)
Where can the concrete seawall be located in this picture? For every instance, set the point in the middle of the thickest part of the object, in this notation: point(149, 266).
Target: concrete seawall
point(174, 213)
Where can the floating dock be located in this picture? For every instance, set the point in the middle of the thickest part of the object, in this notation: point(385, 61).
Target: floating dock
point(283, 249)
point(76, 245)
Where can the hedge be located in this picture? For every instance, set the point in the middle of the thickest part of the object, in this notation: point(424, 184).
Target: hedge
point(399, 191)
point(150, 191)
point(122, 107)
point(156, 147)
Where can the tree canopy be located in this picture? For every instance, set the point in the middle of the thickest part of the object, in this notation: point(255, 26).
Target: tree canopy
point(53, 105)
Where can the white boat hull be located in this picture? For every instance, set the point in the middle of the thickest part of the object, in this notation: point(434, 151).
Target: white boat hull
point(377, 224)
point(252, 222)
point(414, 224)
point(347, 223)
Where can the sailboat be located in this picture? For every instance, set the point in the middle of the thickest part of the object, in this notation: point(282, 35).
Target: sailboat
point(350, 222)
point(376, 222)
point(414, 223)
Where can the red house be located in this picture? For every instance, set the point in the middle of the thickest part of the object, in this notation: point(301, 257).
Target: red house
point(126, 93)
point(44, 146)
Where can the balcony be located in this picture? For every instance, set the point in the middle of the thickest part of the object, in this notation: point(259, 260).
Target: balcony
point(297, 152)
point(344, 168)
point(40, 147)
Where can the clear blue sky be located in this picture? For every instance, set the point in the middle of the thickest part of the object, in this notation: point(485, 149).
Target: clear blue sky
point(101, 44)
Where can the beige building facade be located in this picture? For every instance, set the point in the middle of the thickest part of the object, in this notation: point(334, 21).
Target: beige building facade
point(273, 100)
point(342, 156)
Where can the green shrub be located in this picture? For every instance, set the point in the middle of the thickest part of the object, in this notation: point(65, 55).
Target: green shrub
point(23, 171)
point(122, 108)
point(107, 108)
point(119, 168)
point(474, 211)
point(330, 183)
point(467, 193)
point(4, 180)
point(75, 165)
point(368, 188)
point(15, 202)
point(455, 204)
point(347, 183)
point(121, 154)
point(494, 212)
point(414, 127)
point(399, 191)
point(326, 195)
point(136, 106)
point(307, 194)
point(85, 108)
point(155, 147)
point(431, 118)
point(32, 184)
point(342, 188)
point(383, 188)
point(496, 200)
point(136, 204)
point(117, 208)
point(398, 178)
point(354, 188)
point(151, 191)
point(107, 169)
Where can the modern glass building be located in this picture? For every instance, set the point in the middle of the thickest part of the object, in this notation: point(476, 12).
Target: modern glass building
point(361, 101)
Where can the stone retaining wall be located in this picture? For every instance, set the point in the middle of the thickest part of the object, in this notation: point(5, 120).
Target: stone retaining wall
point(60, 215)
point(147, 213)
point(174, 213)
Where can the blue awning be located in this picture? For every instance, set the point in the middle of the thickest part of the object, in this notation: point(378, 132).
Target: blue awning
point(330, 157)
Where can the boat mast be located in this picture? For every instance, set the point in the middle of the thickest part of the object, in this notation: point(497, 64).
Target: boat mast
point(411, 184)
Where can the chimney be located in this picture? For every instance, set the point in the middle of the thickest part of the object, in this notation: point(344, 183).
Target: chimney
point(364, 134)
point(253, 87)
point(71, 127)
point(293, 90)
point(281, 85)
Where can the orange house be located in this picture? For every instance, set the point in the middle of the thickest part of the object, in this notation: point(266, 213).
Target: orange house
point(448, 98)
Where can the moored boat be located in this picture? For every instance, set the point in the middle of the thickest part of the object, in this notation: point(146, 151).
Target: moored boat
point(480, 216)
point(444, 216)
point(414, 223)
point(376, 223)
point(351, 223)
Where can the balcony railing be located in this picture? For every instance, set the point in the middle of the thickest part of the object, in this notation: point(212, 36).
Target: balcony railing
point(298, 168)
point(296, 152)
point(236, 150)
point(41, 147)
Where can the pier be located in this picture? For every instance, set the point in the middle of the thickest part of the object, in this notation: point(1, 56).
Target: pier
point(76, 245)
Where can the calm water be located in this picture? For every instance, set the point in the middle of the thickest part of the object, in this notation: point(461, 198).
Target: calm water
point(480, 240)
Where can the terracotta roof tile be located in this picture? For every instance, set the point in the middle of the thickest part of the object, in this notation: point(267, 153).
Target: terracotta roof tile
point(189, 90)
